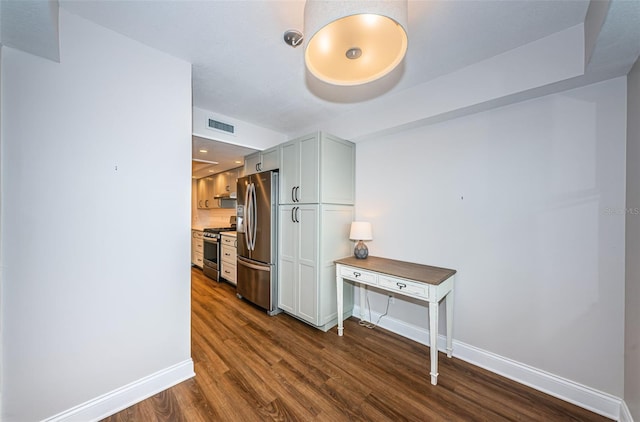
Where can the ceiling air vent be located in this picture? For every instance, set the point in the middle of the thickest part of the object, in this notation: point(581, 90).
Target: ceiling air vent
point(225, 127)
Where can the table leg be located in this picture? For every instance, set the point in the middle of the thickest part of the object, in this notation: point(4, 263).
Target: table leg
point(433, 340)
point(363, 300)
point(449, 305)
point(339, 294)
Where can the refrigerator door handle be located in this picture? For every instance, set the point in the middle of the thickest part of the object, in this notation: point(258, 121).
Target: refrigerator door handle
point(247, 217)
point(254, 217)
point(253, 214)
point(243, 261)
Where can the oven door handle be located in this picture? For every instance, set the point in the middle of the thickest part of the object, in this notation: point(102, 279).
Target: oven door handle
point(210, 240)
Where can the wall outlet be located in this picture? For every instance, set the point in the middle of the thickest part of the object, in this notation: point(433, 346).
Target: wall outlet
point(392, 299)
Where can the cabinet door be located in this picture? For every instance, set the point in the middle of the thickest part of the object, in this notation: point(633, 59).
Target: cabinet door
point(213, 182)
point(203, 193)
point(209, 202)
point(270, 159)
point(334, 242)
point(308, 165)
point(289, 163)
point(299, 166)
point(219, 185)
point(251, 163)
point(222, 185)
point(287, 248)
point(337, 160)
point(307, 264)
point(231, 180)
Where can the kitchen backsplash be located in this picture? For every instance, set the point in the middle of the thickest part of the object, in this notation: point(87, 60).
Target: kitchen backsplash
point(211, 218)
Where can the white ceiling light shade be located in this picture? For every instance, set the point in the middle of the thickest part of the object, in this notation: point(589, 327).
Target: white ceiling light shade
point(354, 42)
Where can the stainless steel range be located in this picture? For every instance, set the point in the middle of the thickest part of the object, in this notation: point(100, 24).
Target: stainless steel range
point(212, 249)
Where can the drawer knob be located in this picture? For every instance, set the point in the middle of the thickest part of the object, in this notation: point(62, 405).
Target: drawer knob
point(356, 274)
point(401, 285)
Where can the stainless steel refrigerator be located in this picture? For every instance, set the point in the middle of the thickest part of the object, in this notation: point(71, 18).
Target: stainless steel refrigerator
point(257, 213)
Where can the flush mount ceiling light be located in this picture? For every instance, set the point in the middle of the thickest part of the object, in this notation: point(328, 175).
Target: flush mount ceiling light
point(354, 42)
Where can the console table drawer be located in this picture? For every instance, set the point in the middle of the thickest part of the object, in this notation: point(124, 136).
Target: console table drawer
point(358, 275)
point(406, 287)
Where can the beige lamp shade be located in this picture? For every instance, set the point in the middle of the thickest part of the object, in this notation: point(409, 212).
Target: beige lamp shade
point(360, 230)
point(354, 42)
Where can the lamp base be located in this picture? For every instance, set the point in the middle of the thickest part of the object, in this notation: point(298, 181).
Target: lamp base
point(361, 251)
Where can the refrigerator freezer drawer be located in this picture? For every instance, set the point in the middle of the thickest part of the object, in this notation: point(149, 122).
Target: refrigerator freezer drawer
point(254, 283)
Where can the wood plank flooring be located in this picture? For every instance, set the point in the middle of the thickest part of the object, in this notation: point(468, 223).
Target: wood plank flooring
point(252, 367)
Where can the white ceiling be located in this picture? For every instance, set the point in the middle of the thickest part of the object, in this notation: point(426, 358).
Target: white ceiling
point(210, 157)
point(242, 68)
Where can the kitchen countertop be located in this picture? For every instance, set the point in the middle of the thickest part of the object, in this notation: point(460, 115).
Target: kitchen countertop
point(230, 234)
point(198, 228)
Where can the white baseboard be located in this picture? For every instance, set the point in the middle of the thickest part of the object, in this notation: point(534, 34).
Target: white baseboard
point(625, 413)
point(564, 389)
point(123, 397)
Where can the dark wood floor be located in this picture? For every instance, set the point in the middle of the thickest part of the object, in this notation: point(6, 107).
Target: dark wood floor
point(252, 367)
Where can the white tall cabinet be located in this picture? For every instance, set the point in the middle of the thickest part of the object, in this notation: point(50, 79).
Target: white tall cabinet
point(317, 192)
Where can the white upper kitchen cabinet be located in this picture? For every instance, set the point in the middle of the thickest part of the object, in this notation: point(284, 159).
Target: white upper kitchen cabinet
point(206, 188)
point(225, 185)
point(268, 159)
point(318, 168)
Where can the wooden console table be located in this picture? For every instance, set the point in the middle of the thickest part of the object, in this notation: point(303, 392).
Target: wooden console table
point(423, 282)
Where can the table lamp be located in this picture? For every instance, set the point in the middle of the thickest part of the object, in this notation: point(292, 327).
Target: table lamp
point(360, 230)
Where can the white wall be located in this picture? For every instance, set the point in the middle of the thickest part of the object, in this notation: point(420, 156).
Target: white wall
point(632, 290)
point(523, 201)
point(1, 263)
point(96, 163)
